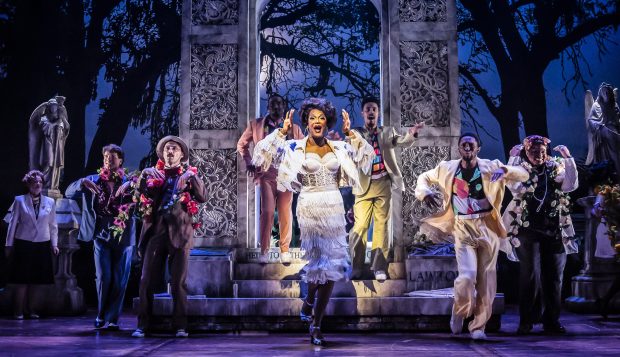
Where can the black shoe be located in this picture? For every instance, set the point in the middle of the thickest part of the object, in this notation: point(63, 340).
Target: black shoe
point(602, 306)
point(113, 327)
point(99, 323)
point(524, 329)
point(316, 338)
point(554, 328)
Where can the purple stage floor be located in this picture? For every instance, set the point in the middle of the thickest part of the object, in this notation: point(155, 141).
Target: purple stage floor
point(588, 336)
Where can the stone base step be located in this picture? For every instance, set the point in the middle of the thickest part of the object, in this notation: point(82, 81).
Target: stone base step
point(297, 288)
point(279, 271)
point(419, 323)
point(338, 306)
point(343, 313)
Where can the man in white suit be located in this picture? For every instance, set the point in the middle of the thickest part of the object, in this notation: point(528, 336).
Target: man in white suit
point(473, 189)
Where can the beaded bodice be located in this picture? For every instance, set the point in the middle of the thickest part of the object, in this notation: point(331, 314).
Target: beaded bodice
point(320, 173)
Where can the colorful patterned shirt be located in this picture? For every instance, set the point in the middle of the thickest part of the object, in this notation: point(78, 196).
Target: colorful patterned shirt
point(467, 192)
point(378, 167)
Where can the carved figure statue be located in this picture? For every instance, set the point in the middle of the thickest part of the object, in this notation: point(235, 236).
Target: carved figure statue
point(603, 123)
point(48, 129)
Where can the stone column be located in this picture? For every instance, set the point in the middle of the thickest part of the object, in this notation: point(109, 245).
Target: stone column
point(422, 87)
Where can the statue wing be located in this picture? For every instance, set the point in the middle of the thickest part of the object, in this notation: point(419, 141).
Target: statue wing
point(588, 103)
point(35, 135)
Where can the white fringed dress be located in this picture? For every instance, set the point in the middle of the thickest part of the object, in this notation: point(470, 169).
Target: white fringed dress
point(320, 211)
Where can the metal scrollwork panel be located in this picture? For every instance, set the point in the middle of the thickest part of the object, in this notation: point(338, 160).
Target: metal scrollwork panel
point(415, 161)
point(214, 93)
point(424, 83)
point(218, 169)
point(215, 12)
point(422, 10)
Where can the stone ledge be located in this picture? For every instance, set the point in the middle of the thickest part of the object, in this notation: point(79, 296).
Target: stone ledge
point(296, 288)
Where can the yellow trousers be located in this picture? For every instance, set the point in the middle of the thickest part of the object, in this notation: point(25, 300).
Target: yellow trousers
point(476, 247)
point(375, 205)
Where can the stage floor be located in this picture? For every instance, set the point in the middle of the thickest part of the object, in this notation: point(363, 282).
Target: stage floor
point(589, 335)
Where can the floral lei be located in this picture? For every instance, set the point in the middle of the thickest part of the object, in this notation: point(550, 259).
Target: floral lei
point(145, 201)
point(124, 210)
point(560, 200)
point(106, 174)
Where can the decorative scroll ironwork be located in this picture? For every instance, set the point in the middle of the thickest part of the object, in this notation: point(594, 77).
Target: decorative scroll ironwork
point(218, 169)
point(214, 93)
point(422, 11)
point(215, 12)
point(424, 83)
point(415, 161)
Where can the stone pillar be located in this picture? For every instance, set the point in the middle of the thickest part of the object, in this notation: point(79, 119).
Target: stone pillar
point(422, 86)
point(597, 274)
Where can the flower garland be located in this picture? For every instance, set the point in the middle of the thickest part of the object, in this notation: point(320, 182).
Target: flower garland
point(106, 174)
point(120, 221)
point(610, 205)
point(145, 200)
point(520, 213)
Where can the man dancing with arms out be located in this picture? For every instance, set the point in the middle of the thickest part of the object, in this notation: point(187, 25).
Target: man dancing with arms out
point(472, 189)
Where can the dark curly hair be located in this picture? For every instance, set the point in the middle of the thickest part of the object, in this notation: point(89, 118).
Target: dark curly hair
point(32, 175)
point(321, 104)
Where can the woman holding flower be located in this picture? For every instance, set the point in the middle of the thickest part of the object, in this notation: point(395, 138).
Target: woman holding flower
point(541, 230)
point(107, 211)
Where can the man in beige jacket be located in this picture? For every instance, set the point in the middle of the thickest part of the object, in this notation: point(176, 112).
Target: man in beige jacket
point(472, 191)
point(372, 202)
point(267, 180)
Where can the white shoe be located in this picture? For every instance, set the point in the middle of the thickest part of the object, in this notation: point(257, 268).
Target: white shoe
point(380, 276)
point(181, 333)
point(139, 333)
point(456, 323)
point(263, 258)
point(478, 335)
point(285, 257)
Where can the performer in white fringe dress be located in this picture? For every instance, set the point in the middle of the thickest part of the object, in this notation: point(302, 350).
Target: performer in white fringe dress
point(316, 167)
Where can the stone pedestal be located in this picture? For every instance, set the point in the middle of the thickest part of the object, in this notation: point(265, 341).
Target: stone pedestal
point(597, 274)
point(64, 297)
point(430, 272)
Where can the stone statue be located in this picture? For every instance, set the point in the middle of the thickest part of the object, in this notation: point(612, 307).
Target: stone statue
point(47, 133)
point(603, 123)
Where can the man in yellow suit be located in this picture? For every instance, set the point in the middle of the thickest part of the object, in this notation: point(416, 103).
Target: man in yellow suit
point(473, 189)
point(372, 202)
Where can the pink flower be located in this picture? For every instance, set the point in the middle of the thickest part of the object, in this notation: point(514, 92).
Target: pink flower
point(196, 225)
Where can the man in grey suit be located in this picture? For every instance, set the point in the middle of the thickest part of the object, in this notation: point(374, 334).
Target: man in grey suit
point(372, 202)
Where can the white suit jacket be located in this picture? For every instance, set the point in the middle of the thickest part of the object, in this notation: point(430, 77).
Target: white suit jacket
point(24, 224)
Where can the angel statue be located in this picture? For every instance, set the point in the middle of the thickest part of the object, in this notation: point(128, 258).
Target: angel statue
point(603, 123)
point(47, 133)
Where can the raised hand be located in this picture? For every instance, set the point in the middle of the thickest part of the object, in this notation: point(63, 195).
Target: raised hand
point(415, 130)
point(563, 150)
point(346, 122)
point(516, 150)
point(288, 122)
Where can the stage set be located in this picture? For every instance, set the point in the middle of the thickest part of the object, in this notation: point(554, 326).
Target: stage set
point(238, 303)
